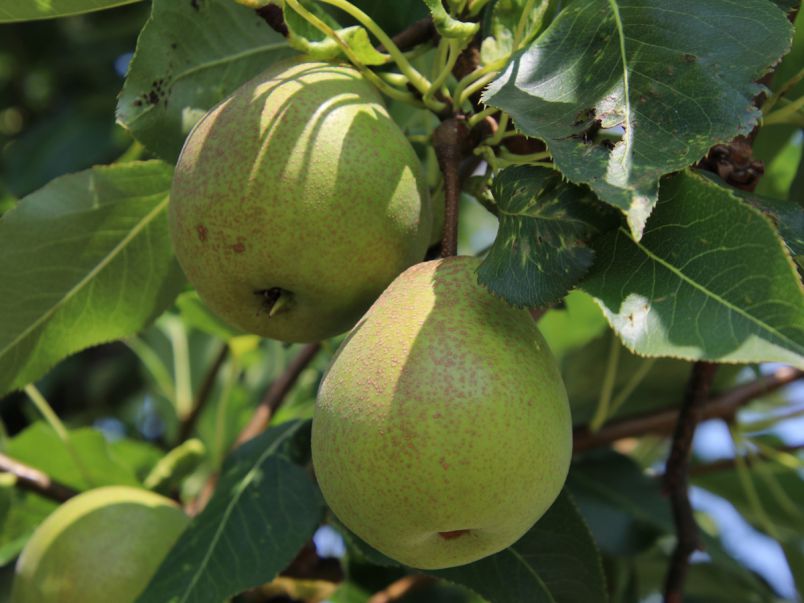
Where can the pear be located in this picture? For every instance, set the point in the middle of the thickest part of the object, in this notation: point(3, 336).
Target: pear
point(102, 546)
point(296, 201)
point(442, 430)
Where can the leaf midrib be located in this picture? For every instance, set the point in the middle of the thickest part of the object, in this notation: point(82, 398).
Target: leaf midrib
point(230, 508)
point(714, 296)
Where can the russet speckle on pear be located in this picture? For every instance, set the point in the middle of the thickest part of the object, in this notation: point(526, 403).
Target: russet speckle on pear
point(103, 545)
point(296, 201)
point(442, 430)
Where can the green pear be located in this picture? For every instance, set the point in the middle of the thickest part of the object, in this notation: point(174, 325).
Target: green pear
point(442, 430)
point(296, 201)
point(102, 546)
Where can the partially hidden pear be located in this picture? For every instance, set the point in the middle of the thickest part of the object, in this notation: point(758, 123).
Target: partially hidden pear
point(442, 430)
point(102, 546)
point(296, 201)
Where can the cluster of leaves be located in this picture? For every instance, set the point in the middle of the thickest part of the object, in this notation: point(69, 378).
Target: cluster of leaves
point(680, 265)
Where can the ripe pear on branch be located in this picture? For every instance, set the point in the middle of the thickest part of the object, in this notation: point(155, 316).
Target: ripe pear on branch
point(296, 201)
point(442, 430)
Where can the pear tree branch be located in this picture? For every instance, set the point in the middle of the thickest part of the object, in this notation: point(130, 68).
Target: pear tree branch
point(275, 395)
point(723, 406)
point(398, 590)
point(676, 479)
point(34, 480)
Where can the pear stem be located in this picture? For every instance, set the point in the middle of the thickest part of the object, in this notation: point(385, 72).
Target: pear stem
point(450, 140)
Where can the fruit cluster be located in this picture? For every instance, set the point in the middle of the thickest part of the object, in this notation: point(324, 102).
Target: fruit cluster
point(442, 430)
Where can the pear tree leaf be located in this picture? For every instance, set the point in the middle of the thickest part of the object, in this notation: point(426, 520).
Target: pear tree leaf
point(189, 57)
point(541, 248)
point(788, 217)
point(556, 561)
point(28, 10)
point(308, 39)
point(779, 489)
point(710, 280)
point(263, 511)
point(664, 85)
point(25, 513)
point(84, 260)
point(577, 322)
point(446, 25)
point(502, 23)
point(623, 507)
point(102, 463)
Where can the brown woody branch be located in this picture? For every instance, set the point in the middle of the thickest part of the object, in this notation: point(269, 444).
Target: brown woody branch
point(276, 394)
point(188, 423)
point(416, 33)
point(676, 479)
point(396, 591)
point(662, 422)
point(269, 404)
point(36, 481)
point(272, 15)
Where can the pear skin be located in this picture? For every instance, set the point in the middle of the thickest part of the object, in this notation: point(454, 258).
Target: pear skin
point(296, 201)
point(442, 430)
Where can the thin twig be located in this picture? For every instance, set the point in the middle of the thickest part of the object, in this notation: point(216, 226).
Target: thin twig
point(188, 423)
point(676, 479)
point(276, 394)
point(449, 141)
point(662, 422)
point(396, 591)
point(416, 33)
point(35, 480)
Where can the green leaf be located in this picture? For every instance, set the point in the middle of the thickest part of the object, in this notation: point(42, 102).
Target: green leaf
point(640, 385)
point(25, 513)
point(100, 461)
point(264, 509)
point(541, 249)
point(676, 81)
point(573, 325)
point(196, 314)
point(779, 489)
point(503, 24)
point(623, 507)
point(447, 26)
point(794, 552)
point(26, 10)
point(190, 56)
point(710, 280)
point(84, 260)
point(788, 217)
point(556, 562)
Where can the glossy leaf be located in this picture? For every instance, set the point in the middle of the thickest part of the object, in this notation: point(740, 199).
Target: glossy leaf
point(26, 10)
point(556, 562)
point(710, 280)
point(541, 248)
point(667, 84)
point(84, 260)
point(190, 56)
point(263, 511)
